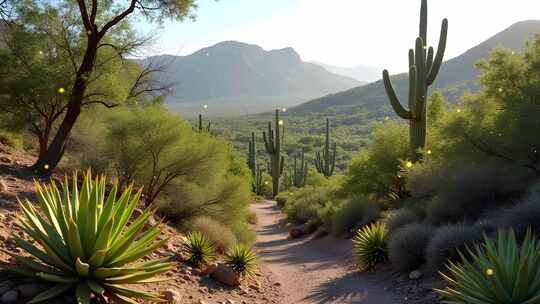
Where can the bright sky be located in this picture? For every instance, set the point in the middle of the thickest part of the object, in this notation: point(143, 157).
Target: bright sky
point(343, 32)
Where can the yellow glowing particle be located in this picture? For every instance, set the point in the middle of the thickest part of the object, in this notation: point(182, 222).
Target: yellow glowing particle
point(386, 118)
point(409, 164)
point(89, 33)
point(41, 52)
point(280, 122)
point(46, 167)
point(489, 272)
point(429, 152)
point(266, 183)
point(458, 110)
point(284, 110)
point(205, 106)
point(61, 90)
point(500, 89)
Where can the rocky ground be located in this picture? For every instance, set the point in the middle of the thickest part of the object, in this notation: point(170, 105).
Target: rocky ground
point(185, 284)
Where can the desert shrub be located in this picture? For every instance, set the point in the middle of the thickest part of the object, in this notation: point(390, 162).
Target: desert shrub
point(521, 217)
point(448, 241)
point(306, 203)
point(242, 259)
point(399, 218)
point(353, 213)
point(88, 244)
point(407, 245)
point(469, 191)
point(220, 235)
point(499, 271)
point(425, 179)
point(282, 198)
point(252, 218)
point(375, 169)
point(370, 245)
point(200, 249)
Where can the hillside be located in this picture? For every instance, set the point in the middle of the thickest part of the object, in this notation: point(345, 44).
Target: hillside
point(237, 77)
point(361, 73)
point(456, 76)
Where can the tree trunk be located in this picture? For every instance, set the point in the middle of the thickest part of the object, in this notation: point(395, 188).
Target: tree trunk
point(50, 158)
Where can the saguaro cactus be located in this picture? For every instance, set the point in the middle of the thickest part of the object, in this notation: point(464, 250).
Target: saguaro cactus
point(300, 171)
point(201, 128)
point(325, 160)
point(423, 69)
point(272, 143)
point(256, 172)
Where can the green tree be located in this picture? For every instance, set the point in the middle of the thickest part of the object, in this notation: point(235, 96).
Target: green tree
point(97, 27)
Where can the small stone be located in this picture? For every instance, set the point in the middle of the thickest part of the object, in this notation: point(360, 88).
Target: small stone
point(172, 296)
point(10, 297)
point(3, 186)
point(201, 301)
point(277, 284)
point(255, 287)
point(229, 301)
point(415, 275)
point(226, 275)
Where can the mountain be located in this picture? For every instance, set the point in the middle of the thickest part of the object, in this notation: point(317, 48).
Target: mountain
point(362, 73)
point(242, 78)
point(457, 75)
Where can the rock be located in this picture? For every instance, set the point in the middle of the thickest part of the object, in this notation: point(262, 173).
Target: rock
point(296, 232)
point(226, 275)
point(229, 301)
point(415, 275)
point(172, 296)
point(209, 269)
point(277, 284)
point(201, 301)
point(10, 297)
point(6, 160)
point(28, 291)
point(3, 186)
point(255, 287)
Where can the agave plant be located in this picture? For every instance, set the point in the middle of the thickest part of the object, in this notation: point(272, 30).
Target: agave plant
point(497, 272)
point(200, 249)
point(84, 242)
point(370, 245)
point(242, 259)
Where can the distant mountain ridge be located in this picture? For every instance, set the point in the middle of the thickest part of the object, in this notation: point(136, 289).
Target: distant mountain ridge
point(362, 73)
point(235, 76)
point(457, 75)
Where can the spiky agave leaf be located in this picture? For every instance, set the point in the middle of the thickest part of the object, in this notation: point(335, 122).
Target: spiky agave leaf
point(84, 241)
point(500, 271)
point(200, 249)
point(370, 245)
point(242, 259)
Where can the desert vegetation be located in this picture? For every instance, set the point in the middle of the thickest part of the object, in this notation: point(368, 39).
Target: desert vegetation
point(444, 189)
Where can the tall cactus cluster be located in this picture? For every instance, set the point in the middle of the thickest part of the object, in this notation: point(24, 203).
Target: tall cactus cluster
point(325, 160)
point(272, 143)
point(299, 171)
point(424, 66)
point(256, 172)
point(203, 128)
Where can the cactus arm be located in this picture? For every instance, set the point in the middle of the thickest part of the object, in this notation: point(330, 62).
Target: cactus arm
point(333, 161)
point(420, 78)
point(429, 60)
point(411, 58)
point(440, 54)
point(424, 21)
point(394, 101)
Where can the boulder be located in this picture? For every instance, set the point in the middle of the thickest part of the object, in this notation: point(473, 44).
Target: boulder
point(209, 269)
point(226, 275)
point(297, 232)
point(10, 297)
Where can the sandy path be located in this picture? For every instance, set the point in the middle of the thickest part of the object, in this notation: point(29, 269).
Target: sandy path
point(312, 271)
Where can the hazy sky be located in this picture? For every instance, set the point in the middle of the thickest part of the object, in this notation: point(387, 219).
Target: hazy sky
point(343, 32)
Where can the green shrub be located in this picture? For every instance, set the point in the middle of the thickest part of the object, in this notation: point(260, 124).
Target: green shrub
point(220, 235)
point(353, 213)
point(407, 246)
point(370, 245)
point(399, 218)
point(499, 272)
point(88, 243)
point(242, 259)
point(200, 249)
point(448, 241)
point(520, 217)
point(305, 204)
point(283, 197)
point(252, 218)
point(469, 191)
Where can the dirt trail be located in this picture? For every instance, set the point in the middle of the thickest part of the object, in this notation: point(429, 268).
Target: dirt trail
point(312, 271)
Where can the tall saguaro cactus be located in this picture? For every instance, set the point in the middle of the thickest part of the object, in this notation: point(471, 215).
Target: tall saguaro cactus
point(256, 172)
point(424, 66)
point(325, 161)
point(201, 128)
point(300, 171)
point(272, 143)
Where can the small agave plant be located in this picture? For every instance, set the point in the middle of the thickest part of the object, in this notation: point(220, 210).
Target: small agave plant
point(85, 243)
point(242, 259)
point(370, 245)
point(499, 272)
